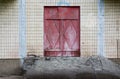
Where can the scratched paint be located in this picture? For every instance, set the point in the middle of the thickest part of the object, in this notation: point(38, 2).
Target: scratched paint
point(63, 3)
point(22, 30)
point(101, 28)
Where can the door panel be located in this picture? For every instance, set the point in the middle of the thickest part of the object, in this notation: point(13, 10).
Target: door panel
point(51, 13)
point(51, 36)
point(63, 53)
point(71, 34)
point(68, 13)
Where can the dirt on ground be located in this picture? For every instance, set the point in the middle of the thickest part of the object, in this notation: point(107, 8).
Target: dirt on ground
point(94, 67)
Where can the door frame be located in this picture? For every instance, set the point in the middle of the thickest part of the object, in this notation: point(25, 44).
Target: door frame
point(78, 20)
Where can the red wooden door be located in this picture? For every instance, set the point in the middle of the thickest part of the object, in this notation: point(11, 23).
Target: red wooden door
point(62, 31)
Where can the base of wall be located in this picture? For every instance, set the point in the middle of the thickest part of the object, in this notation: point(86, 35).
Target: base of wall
point(10, 67)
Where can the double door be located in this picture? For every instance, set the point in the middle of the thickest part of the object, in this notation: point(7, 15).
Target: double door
point(61, 31)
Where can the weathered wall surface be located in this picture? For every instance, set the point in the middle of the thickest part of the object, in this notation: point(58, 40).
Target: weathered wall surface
point(9, 37)
point(89, 25)
point(112, 28)
point(34, 27)
point(10, 67)
point(35, 20)
point(34, 12)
